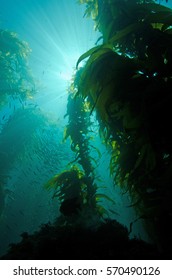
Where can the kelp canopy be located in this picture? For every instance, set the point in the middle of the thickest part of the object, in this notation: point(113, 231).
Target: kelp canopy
point(128, 80)
point(16, 79)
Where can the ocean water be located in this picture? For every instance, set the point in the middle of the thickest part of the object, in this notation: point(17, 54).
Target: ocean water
point(31, 132)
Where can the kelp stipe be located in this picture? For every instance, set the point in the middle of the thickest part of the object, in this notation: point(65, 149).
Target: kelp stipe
point(75, 187)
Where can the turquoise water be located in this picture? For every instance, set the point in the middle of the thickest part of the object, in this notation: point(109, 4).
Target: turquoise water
point(31, 140)
point(31, 148)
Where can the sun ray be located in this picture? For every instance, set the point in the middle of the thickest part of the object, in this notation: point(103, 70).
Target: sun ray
point(58, 34)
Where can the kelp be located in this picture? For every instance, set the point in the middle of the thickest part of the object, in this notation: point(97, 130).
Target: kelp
point(79, 198)
point(16, 79)
point(75, 187)
point(78, 130)
point(127, 81)
point(69, 185)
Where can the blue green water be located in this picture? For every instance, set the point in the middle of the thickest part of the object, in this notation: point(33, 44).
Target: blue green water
point(31, 134)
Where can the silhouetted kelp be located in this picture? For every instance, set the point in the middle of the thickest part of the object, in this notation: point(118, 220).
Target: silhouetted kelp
point(75, 188)
point(127, 79)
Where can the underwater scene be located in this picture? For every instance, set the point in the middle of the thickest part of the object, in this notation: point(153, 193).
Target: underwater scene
point(85, 129)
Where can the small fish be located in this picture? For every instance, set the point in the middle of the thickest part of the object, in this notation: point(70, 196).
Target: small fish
point(35, 182)
point(11, 197)
point(8, 227)
point(24, 173)
point(114, 212)
point(21, 212)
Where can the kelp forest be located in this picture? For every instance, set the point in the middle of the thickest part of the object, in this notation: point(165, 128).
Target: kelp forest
point(124, 85)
